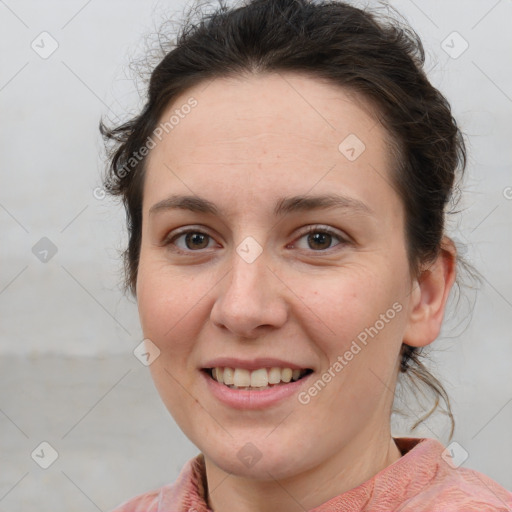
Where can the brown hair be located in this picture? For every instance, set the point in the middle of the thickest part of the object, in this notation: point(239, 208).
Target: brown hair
point(378, 57)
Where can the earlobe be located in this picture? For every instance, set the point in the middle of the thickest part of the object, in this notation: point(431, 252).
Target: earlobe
point(429, 296)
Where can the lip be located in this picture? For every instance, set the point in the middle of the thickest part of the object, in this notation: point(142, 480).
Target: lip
point(253, 364)
point(251, 400)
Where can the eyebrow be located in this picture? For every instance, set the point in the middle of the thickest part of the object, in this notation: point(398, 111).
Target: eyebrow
point(283, 206)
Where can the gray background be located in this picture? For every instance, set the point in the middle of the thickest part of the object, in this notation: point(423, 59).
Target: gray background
point(68, 374)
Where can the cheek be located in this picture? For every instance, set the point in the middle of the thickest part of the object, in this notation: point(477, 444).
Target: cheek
point(174, 306)
point(169, 306)
point(163, 299)
point(340, 305)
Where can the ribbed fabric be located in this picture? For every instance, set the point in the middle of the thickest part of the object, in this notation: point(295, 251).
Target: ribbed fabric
point(420, 481)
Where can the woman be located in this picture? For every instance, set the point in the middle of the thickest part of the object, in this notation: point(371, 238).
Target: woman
point(285, 188)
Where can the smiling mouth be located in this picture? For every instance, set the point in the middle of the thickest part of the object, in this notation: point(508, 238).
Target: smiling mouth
point(257, 380)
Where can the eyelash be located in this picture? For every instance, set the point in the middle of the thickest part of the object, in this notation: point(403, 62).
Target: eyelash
point(310, 230)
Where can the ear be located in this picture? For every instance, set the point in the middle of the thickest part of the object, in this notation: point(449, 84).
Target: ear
point(429, 295)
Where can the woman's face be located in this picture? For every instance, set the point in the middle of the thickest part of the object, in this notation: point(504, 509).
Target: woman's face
point(249, 289)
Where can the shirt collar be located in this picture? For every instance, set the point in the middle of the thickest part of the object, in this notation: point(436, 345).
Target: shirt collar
point(391, 486)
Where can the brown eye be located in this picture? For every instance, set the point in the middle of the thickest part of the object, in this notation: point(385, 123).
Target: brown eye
point(195, 240)
point(189, 241)
point(321, 239)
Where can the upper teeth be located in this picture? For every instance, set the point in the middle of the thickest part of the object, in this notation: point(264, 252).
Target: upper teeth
point(240, 377)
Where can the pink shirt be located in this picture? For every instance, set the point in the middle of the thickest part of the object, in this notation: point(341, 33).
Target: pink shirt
point(421, 480)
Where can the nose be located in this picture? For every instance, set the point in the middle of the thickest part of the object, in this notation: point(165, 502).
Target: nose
point(251, 300)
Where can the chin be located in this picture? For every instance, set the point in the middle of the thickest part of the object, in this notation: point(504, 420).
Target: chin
point(259, 460)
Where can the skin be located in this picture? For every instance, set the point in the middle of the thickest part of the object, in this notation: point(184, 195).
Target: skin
point(250, 141)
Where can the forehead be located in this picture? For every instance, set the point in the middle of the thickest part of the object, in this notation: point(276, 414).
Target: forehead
point(271, 134)
point(286, 105)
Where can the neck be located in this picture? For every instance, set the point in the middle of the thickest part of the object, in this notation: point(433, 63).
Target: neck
point(356, 463)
